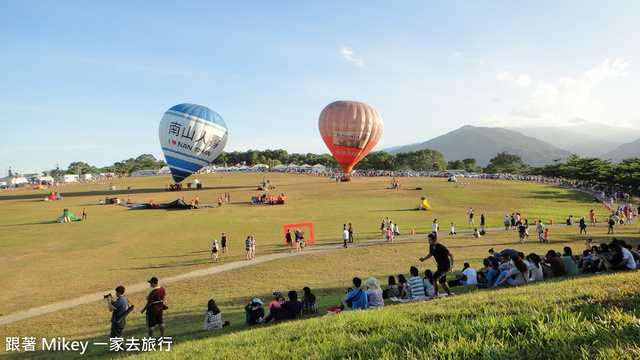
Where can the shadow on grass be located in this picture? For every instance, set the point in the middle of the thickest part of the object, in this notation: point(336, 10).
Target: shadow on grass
point(558, 196)
point(35, 223)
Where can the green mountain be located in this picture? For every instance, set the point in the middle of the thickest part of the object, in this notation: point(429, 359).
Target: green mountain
point(624, 151)
point(483, 143)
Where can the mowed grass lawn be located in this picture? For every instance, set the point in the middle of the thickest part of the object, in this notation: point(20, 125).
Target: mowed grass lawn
point(42, 262)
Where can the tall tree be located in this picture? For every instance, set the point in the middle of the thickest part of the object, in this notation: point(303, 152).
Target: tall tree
point(422, 160)
point(506, 163)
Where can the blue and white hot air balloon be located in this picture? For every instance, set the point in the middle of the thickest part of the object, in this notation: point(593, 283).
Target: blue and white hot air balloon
point(191, 136)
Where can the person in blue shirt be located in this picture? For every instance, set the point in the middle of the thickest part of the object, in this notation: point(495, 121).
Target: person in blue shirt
point(356, 298)
point(117, 309)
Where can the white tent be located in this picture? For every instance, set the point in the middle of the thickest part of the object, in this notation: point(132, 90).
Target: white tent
point(318, 168)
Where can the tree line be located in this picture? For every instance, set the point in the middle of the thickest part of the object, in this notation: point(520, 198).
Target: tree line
point(142, 162)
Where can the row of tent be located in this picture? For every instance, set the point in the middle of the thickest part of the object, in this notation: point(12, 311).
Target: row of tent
point(209, 169)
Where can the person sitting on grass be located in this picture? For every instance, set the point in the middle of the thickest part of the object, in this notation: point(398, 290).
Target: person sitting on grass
point(274, 312)
point(374, 292)
point(622, 259)
point(308, 302)
point(356, 298)
point(415, 284)
point(254, 312)
point(468, 277)
point(518, 275)
point(213, 317)
point(429, 289)
point(535, 267)
point(292, 308)
point(392, 289)
point(555, 262)
point(570, 262)
point(402, 286)
point(492, 275)
point(481, 274)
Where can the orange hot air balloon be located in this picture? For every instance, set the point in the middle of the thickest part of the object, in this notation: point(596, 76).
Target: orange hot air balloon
point(350, 129)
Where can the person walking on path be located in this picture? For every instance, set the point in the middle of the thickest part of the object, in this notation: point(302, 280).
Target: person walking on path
point(345, 235)
point(444, 260)
point(540, 228)
point(583, 226)
point(435, 227)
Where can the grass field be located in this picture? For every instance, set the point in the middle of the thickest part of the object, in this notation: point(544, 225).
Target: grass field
point(42, 262)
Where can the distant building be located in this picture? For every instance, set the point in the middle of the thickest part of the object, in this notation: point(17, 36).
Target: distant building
point(68, 178)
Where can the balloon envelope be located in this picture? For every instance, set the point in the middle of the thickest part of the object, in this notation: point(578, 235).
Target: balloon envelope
point(191, 137)
point(350, 129)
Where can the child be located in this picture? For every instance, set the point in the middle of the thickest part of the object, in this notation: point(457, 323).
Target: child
point(546, 235)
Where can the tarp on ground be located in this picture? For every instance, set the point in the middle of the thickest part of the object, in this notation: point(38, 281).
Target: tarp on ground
point(177, 204)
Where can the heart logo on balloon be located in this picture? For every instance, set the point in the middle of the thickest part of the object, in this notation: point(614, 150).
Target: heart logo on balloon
point(174, 142)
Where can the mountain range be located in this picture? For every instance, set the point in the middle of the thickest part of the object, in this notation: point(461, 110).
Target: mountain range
point(536, 146)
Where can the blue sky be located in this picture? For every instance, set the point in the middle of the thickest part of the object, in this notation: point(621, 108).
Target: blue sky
point(89, 81)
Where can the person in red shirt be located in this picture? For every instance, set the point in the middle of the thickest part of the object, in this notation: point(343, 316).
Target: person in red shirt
point(154, 307)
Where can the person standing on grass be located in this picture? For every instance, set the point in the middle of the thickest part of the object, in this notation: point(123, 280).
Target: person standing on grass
point(155, 307)
point(444, 260)
point(84, 213)
point(522, 231)
point(289, 240)
point(223, 242)
point(351, 231)
point(592, 217)
point(345, 235)
point(214, 251)
point(253, 247)
point(247, 246)
point(482, 221)
point(117, 308)
point(470, 212)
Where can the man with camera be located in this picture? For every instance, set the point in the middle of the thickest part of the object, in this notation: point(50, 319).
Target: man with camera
point(117, 309)
point(155, 306)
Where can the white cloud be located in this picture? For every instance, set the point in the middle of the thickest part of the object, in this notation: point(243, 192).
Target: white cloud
point(520, 80)
point(561, 102)
point(459, 53)
point(348, 54)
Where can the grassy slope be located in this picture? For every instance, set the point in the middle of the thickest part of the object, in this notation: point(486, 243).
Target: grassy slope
point(365, 202)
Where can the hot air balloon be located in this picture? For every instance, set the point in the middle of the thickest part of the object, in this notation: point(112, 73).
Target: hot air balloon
point(350, 129)
point(191, 136)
